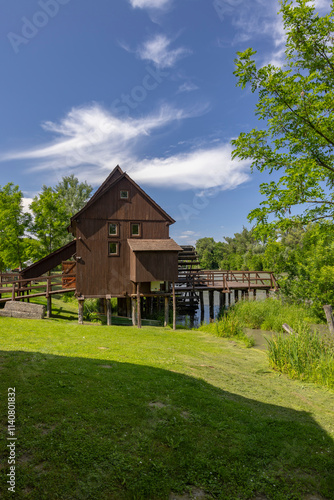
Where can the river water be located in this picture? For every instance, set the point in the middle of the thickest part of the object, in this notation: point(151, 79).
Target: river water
point(194, 321)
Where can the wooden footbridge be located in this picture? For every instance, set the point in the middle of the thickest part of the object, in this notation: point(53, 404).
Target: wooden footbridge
point(193, 281)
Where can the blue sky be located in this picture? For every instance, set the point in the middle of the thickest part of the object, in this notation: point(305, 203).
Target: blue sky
point(146, 84)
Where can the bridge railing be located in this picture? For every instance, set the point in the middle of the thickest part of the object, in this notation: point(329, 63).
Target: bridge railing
point(222, 279)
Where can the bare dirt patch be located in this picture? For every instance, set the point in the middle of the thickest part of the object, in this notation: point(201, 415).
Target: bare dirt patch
point(157, 404)
point(195, 494)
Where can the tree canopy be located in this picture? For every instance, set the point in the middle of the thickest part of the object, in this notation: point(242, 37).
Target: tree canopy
point(13, 224)
point(33, 235)
point(295, 102)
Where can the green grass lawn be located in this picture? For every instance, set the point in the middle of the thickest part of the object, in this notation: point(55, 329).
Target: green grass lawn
point(121, 413)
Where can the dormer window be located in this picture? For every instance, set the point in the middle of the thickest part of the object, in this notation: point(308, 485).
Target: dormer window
point(124, 195)
point(135, 229)
point(113, 229)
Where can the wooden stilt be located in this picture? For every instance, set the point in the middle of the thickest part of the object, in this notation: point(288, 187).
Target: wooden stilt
point(221, 301)
point(236, 296)
point(108, 312)
point(80, 311)
point(254, 294)
point(138, 306)
point(201, 301)
point(211, 305)
point(174, 307)
point(267, 294)
point(133, 304)
point(166, 311)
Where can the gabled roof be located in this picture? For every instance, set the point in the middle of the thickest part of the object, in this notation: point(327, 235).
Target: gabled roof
point(115, 176)
point(168, 245)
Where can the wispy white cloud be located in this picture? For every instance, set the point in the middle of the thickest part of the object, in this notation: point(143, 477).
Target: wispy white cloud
point(157, 50)
point(197, 169)
point(150, 4)
point(90, 141)
point(187, 87)
point(25, 203)
point(253, 19)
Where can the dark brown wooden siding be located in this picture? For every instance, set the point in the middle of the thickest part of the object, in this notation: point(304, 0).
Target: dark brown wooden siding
point(100, 274)
point(153, 266)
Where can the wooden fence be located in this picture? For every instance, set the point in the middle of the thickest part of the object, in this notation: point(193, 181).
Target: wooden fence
point(13, 288)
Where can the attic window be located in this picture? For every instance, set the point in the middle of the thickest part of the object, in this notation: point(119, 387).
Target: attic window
point(113, 229)
point(124, 195)
point(135, 229)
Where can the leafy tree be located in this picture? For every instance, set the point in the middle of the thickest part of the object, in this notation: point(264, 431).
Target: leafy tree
point(13, 224)
point(52, 211)
point(295, 102)
point(74, 194)
point(50, 220)
point(205, 250)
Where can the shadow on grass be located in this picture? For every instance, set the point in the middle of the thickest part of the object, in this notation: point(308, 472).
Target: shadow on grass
point(100, 429)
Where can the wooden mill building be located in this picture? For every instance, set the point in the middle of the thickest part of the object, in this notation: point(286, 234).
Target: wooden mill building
point(121, 248)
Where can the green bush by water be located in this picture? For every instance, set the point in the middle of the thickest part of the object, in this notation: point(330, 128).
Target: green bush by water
point(305, 355)
point(228, 326)
point(270, 314)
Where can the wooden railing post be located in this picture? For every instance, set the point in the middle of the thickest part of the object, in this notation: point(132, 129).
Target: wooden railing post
point(13, 291)
point(48, 297)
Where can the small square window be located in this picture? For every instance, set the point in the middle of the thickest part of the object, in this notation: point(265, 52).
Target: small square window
point(124, 195)
point(135, 229)
point(113, 248)
point(113, 229)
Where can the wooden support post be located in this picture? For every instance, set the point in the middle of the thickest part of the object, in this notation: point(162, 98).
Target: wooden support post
point(48, 299)
point(267, 294)
point(166, 311)
point(221, 301)
point(48, 307)
point(80, 311)
point(13, 292)
point(236, 296)
point(108, 312)
point(329, 316)
point(243, 294)
point(128, 307)
point(174, 307)
point(133, 304)
point(138, 306)
point(201, 300)
point(254, 294)
point(211, 305)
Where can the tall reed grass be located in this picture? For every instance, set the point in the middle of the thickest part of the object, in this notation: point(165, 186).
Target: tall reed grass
point(270, 314)
point(228, 326)
point(305, 355)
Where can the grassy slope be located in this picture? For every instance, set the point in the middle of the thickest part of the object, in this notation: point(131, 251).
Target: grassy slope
point(113, 412)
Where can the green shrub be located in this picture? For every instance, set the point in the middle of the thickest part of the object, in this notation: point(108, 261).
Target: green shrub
point(228, 326)
point(305, 355)
point(270, 314)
